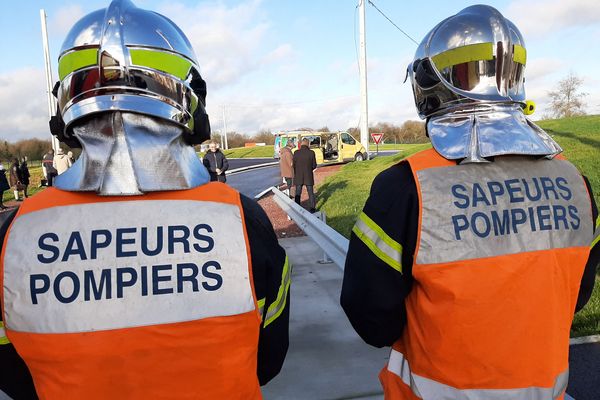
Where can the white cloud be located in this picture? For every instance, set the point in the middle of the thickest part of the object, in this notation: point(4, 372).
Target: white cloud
point(229, 41)
point(23, 105)
point(540, 17)
point(63, 19)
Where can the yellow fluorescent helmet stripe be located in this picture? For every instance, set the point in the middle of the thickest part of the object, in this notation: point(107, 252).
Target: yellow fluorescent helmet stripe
point(464, 54)
point(277, 307)
point(76, 60)
point(519, 54)
point(165, 62)
point(3, 338)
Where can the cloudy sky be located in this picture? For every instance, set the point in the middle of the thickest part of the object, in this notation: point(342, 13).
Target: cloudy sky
point(285, 64)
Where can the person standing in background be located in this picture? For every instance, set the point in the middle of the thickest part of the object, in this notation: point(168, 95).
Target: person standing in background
point(286, 165)
point(25, 175)
point(70, 157)
point(305, 163)
point(61, 161)
point(216, 163)
point(48, 167)
point(15, 178)
point(3, 186)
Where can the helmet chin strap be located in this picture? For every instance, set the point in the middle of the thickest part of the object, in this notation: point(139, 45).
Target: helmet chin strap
point(130, 154)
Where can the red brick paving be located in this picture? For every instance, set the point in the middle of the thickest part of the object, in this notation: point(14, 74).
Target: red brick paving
point(283, 226)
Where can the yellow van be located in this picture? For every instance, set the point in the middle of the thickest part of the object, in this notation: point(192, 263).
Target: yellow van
point(329, 147)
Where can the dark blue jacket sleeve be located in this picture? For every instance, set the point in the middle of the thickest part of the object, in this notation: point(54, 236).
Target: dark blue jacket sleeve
point(373, 292)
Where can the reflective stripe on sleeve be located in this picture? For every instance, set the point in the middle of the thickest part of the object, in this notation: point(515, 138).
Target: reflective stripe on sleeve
point(276, 308)
point(3, 338)
point(596, 238)
point(261, 307)
point(380, 243)
point(429, 389)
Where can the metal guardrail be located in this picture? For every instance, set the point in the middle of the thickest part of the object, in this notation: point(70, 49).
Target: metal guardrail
point(328, 239)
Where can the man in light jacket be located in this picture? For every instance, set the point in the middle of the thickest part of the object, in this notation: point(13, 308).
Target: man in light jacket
point(62, 162)
point(286, 165)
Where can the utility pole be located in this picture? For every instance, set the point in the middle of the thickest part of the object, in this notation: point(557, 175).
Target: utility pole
point(364, 112)
point(48, 67)
point(225, 128)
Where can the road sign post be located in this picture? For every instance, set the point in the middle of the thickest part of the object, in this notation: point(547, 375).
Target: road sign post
point(377, 138)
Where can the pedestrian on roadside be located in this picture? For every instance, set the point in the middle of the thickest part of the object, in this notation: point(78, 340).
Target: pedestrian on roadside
point(61, 162)
point(286, 165)
point(48, 167)
point(305, 163)
point(216, 163)
point(16, 179)
point(25, 175)
point(470, 258)
point(3, 186)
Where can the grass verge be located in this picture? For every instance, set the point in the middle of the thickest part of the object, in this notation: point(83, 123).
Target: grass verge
point(343, 195)
point(248, 152)
point(34, 184)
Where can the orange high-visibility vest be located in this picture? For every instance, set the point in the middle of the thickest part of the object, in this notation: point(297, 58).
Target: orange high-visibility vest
point(500, 254)
point(133, 297)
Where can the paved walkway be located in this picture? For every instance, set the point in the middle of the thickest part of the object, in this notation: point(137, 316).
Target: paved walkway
point(326, 358)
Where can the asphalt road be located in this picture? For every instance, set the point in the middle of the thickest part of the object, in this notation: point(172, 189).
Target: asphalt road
point(246, 162)
point(254, 181)
point(584, 372)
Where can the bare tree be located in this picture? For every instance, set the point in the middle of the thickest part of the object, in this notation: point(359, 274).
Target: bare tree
point(264, 136)
point(567, 100)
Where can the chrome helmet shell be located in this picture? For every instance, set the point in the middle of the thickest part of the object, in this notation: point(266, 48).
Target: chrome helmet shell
point(474, 57)
point(123, 58)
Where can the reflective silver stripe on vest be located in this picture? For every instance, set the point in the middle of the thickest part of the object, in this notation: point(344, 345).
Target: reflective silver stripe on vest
point(114, 265)
point(427, 389)
point(510, 206)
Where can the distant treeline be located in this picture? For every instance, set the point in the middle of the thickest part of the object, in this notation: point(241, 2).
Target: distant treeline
point(33, 149)
point(408, 132)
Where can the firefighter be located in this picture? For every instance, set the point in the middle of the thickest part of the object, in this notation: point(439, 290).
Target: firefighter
point(469, 259)
point(135, 277)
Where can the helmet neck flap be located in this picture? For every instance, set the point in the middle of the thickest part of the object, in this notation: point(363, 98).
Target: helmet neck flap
point(486, 130)
point(129, 154)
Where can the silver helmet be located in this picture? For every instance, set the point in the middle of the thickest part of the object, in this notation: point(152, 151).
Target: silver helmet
point(468, 82)
point(474, 56)
point(123, 58)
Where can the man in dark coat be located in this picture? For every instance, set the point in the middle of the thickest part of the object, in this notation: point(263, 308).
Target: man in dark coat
point(25, 175)
point(216, 163)
point(304, 164)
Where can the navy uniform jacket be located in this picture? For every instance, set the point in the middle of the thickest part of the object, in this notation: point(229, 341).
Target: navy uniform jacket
point(373, 293)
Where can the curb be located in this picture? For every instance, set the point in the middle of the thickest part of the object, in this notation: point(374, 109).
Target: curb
point(584, 340)
point(242, 169)
point(250, 158)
